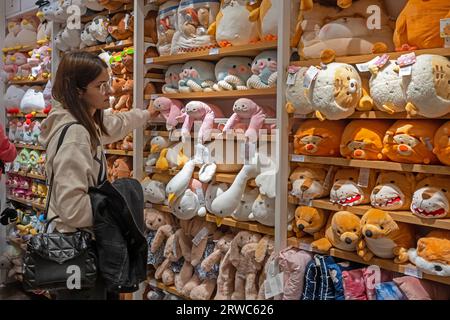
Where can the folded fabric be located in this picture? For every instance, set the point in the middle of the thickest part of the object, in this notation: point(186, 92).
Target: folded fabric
point(388, 291)
point(354, 285)
point(293, 263)
point(373, 276)
point(419, 289)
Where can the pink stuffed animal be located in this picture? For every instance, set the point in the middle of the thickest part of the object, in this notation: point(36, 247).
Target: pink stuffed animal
point(10, 66)
point(248, 110)
point(21, 62)
point(170, 109)
point(199, 111)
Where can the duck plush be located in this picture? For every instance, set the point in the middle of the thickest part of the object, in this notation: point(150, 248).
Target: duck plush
point(180, 182)
point(431, 200)
point(157, 144)
point(172, 157)
point(442, 143)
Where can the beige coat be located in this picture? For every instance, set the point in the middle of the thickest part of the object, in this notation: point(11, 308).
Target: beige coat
point(75, 167)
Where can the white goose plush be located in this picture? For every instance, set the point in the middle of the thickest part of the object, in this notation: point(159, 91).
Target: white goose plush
point(180, 182)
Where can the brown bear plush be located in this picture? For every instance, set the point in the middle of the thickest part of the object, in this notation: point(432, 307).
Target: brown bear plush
point(121, 26)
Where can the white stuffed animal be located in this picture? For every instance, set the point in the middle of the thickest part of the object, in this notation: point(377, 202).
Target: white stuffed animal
point(296, 100)
point(33, 100)
point(71, 37)
point(263, 211)
point(99, 28)
point(10, 41)
point(232, 73)
point(154, 190)
point(180, 182)
point(59, 43)
point(242, 213)
point(27, 35)
point(13, 97)
point(264, 68)
point(87, 39)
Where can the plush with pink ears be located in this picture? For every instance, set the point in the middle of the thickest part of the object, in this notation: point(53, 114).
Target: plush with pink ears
point(170, 109)
point(246, 110)
point(199, 111)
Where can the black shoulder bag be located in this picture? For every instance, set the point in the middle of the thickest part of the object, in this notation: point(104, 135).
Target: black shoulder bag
point(59, 260)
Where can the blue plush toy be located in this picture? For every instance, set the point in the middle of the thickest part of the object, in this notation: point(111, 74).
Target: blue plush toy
point(196, 76)
point(264, 69)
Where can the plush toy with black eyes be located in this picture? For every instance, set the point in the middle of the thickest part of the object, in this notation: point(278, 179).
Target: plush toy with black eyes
point(347, 188)
point(232, 73)
point(264, 68)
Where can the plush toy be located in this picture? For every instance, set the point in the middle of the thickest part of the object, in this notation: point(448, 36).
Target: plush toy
point(155, 188)
point(98, 28)
point(113, 4)
point(10, 41)
point(87, 39)
point(199, 111)
point(335, 92)
point(242, 256)
point(172, 77)
point(431, 200)
point(296, 101)
point(180, 182)
point(265, 254)
point(173, 260)
point(93, 5)
point(348, 31)
point(310, 182)
point(13, 97)
point(192, 202)
point(9, 67)
point(386, 88)
point(343, 231)
point(411, 141)
point(71, 37)
point(33, 100)
point(385, 238)
point(417, 26)
point(232, 73)
point(318, 138)
point(427, 91)
point(166, 26)
point(27, 35)
point(121, 26)
point(309, 221)
point(196, 76)
point(122, 168)
point(157, 144)
point(234, 23)
point(122, 91)
point(263, 211)
point(170, 109)
point(393, 191)
point(59, 43)
point(116, 64)
point(442, 143)
point(22, 67)
point(264, 68)
point(172, 157)
point(363, 139)
point(347, 190)
point(432, 253)
point(243, 212)
point(150, 26)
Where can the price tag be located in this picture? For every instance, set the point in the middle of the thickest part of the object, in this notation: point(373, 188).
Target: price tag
point(154, 96)
point(274, 286)
point(7, 166)
point(445, 28)
point(200, 235)
point(201, 196)
point(305, 246)
point(119, 43)
point(305, 202)
point(35, 71)
point(252, 2)
point(149, 60)
point(310, 76)
point(213, 51)
point(364, 67)
point(406, 59)
point(428, 143)
point(413, 272)
point(363, 180)
point(298, 158)
point(16, 167)
point(381, 61)
point(291, 79)
point(300, 116)
point(405, 71)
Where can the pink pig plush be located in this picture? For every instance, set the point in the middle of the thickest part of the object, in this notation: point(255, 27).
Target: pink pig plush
point(246, 110)
point(170, 109)
point(199, 111)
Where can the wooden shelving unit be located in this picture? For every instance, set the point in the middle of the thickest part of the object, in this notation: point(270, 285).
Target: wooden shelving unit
point(29, 146)
point(235, 135)
point(22, 115)
point(28, 82)
point(250, 226)
point(169, 289)
point(119, 152)
point(374, 115)
point(22, 49)
point(387, 264)
point(27, 203)
point(113, 46)
point(233, 94)
point(29, 175)
point(372, 164)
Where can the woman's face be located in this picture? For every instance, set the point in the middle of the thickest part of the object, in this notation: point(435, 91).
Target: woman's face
point(98, 91)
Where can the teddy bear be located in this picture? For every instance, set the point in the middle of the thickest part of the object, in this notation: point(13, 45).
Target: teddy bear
point(173, 261)
point(441, 143)
point(122, 92)
point(411, 141)
point(309, 221)
point(199, 111)
point(347, 189)
point(363, 139)
point(166, 26)
point(234, 24)
point(171, 78)
point(264, 68)
point(335, 92)
point(232, 73)
point(427, 91)
point(393, 191)
point(431, 198)
point(310, 182)
point(170, 109)
point(296, 101)
point(432, 253)
point(343, 231)
point(319, 138)
point(121, 26)
point(242, 257)
point(122, 168)
point(384, 237)
point(417, 26)
point(150, 26)
point(127, 143)
point(12, 98)
point(116, 64)
point(196, 76)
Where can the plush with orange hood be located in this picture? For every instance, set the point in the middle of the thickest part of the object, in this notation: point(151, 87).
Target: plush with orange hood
point(319, 138)
point(347, 189)
point(432, 198)
point(363, 139)
point(343, 231)
point(417, 26)
point(393, 190)
point(309, 221)
point(442, 143)
point(411, 141)
point(385, 238)
point(310, 182)
point(432, 255)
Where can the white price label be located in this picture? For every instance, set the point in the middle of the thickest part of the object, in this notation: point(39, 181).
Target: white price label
point(16, 167)
point(154, 96)
point(201, 196)
point(173, 136)
point(148, 205)
point(200, 235)
point(300, 116)
point(405, 71)
point(149, 60)
point(413, 272)
point(35, 71)
point(445, 28)
point(363, 180)
point(291, 79)
point(274, 286)
point(298, 158)
point(213, 51)
point(7, 167)
point(305, 246)
point(364, 67)
point(310, 76)
point(119, 43)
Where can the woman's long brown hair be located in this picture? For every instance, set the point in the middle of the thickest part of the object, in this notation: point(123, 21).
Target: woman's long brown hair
point(75, 71)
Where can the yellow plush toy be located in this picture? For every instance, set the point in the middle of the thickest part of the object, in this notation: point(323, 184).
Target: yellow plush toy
point(347, 189)
point(393, 191)
point(432, 198)
point(385, 238)
point(411, 141)
point(418, 24)
point(309, 220)
point(319, 138)
point(442, 143)
point(343, 231)
point(363, 139)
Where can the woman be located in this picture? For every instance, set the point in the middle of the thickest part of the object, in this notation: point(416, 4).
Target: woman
point(8, 151)
point(81, 86)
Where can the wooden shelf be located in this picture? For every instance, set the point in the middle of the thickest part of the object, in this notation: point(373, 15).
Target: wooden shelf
point(119, 152)
point(27, 203)
point(373, 115)
point(387, 264)
point(160, 207)
point(250, 50)
point(22, 49)
point(29, 146)
point(169, 289)
point(157, 76)
point(22, 115)
point(372, 164)
point(126, 7)
point(28, 82)
point(400, 216)
point(233, 94)
point(238, 136)
point(368, 57)
point(28, 175)
point(113, 46)
point(250, 226)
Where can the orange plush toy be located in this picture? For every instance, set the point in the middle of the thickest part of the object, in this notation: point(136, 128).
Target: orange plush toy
point(442, 143)
point(417, 26)
point(363, 139)
point(347, 189)
point(431, 200)
point(411, 141)
point(319, 138)
point(309, 221)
